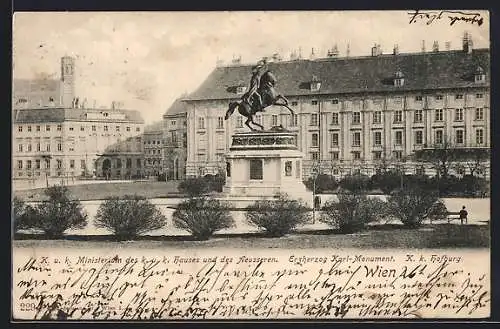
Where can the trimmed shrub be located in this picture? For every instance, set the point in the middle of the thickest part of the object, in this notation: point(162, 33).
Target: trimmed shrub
point(411, 205)
point(22, 214)
point(449, 186)
point(58, 214)
point(277, 216)
point(386, 181)
point(355, 183)
point(352, 212)
point(437, 211)
point(216, 182)
point(420, 181)
point(202, 217)
point(194, 187)
point(129, 216)
point(18, 207)
point(323, 183)
point(473, 186)
point(161, 177)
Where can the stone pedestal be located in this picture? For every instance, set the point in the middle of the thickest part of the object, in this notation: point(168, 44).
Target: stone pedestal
point(261, 164)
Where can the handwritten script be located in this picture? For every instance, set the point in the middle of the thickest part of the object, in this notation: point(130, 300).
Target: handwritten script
point(306, 285)
point(451, 16)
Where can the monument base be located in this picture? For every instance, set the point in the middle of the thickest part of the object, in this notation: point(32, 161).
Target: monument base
point(262, 164)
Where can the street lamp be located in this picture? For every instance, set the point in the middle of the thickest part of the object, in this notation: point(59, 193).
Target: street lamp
point(315, 173)
point(47, 157)
point(402, 168)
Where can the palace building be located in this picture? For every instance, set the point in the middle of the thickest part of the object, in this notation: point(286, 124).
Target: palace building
point(352, 113)
point(56, 136)
point(76, 142)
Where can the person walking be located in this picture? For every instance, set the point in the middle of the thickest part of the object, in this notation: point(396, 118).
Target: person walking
point(463, 215)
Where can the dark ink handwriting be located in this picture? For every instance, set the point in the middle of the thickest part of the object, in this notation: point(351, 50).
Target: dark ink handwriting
point(430, 17)
point(150, 288)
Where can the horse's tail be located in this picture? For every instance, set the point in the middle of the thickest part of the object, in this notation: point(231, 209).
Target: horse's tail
point(232, 107)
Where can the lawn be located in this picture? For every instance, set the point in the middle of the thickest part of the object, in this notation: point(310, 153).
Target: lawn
point(101, 191)
point(383, 236)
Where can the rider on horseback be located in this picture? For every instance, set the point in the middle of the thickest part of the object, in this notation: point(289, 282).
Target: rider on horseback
point(261, 94)
point(252, 93)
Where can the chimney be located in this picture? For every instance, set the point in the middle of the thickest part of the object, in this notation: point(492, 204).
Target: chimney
point(447, 45)
point(313, 55)
point(219, 62)
point(334, 52)
point(348, 51)
point(435, 46)
point(395, 50)
point(293, 55)
point(376, 50)
point(300, 53)
point(423, 46)
point(236, 60)
point(467, 43)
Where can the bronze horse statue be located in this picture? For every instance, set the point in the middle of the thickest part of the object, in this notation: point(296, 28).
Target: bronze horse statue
point(269, 97)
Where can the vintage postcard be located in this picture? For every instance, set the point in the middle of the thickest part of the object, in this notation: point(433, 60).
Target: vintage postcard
point(272, 165)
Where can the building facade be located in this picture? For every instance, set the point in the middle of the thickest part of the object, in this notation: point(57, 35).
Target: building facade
point(153, 150)
point(75, 142)
point(175, 140)
point(354, 114)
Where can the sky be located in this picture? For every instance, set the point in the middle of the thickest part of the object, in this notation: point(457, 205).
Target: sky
point(148, 59)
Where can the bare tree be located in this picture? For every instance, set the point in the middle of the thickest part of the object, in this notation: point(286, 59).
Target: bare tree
point(382, 165)
point(459, 168)
point(441, 157)
point(475, 161)
point(333, 165)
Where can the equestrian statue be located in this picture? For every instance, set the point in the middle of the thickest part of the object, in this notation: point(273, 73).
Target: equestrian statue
point(260, 95)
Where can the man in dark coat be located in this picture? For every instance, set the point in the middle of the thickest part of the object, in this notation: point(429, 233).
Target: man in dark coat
point(463, 215)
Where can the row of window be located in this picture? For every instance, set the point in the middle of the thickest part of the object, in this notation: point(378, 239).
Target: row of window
point(20, 147)
point(71, 128)
point(398, 116)
point(439, 138)
point(71, 147)
point(356, 155)
point(201, 123)
point(153, 161)
point(173, 123)
point(37, 164)
point(398, 138)
point(153, 152)
point(418, 98)
point(153, 142)
point(239, 121)
point(356, 118)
